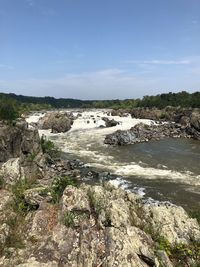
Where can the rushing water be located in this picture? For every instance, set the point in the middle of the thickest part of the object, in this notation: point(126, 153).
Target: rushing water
point(168, 169)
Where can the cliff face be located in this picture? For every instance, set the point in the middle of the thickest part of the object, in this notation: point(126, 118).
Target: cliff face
point(18, 140)
point(48, 218)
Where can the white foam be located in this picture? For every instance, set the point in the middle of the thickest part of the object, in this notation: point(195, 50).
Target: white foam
point(34, 118)
point(86, 140)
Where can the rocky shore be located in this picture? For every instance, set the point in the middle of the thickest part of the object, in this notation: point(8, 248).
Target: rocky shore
point(173, 123)
point(49, 217)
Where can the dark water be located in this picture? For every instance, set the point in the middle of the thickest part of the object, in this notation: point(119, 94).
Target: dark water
point(175, 154)
point(168, 170)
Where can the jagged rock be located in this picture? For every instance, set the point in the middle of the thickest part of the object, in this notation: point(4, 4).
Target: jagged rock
point(110, 123)
point(104, 231)
point(31, 144)
point(119, 112)
point(171, 222)
point(143, 133)
point(75, 199)
point(32, 262)
point(195, 121)
point(123, 247)
point(35, 196)
point(5, 199)
point(57, 122)
point(18, 140)
point(164, 259)
point(11, 171)
point(43, 222)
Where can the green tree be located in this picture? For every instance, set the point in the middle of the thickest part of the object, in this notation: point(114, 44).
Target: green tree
point(8, 110)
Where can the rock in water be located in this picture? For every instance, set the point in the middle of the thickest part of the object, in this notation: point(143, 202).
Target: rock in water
point(110, 123)
point(143, 133)
point(57, 122)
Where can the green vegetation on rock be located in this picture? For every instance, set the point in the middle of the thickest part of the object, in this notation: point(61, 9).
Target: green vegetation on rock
point(49, 147)
point(58, 186)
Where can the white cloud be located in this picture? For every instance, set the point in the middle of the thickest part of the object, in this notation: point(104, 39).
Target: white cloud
point(160, 62)
point(103, 84)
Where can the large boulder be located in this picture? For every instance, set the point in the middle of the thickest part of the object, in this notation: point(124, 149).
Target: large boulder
point(110, 123)
point(57, 122)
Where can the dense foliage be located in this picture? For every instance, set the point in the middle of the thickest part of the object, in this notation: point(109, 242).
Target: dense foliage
point(8, 110)
point(182, 99)
point(11, 109)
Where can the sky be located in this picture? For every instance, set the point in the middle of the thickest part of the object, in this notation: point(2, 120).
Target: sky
point(99, 49)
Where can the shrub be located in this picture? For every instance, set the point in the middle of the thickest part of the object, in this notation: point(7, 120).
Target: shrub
point(49, 148)
point(8, 110)
point(58, 186)
point(69, 219)
point(20, 205)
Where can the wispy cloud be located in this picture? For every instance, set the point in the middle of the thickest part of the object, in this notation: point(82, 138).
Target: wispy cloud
point(31, 3)
point(195, 21)
point(160, 62)
point(103, 84)
point(6, 67)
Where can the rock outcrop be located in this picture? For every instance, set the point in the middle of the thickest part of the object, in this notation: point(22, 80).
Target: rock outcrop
point(98, 226)
point(49, 218)
point(56, 121)
point(188, 118)
point(143, 133)
point(18, 140)
point(110, 123)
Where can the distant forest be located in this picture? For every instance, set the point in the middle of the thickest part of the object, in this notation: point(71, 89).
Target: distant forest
point(182, 99)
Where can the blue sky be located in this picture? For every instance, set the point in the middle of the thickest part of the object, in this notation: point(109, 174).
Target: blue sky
point(99, 49)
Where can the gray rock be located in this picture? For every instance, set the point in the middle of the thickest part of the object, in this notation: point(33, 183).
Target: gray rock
point(110, 123)
point(143, 133)
point(57, 122)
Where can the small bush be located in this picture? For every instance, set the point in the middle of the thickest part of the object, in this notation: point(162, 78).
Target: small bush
point(69, 219)
point(185, 252)
point(19, 204)
point(58, 186)
point(97, 205)
point(180, 253)
point(74, 218)
point(49, 148)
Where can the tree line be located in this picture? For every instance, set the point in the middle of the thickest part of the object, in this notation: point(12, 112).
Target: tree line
point(12, 105)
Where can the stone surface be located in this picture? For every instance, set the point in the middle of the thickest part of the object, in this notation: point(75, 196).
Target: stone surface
point(110, 123)
point(143, 133)
point(57, 122)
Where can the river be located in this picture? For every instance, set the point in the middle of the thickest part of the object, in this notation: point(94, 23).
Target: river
point(167, 170)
